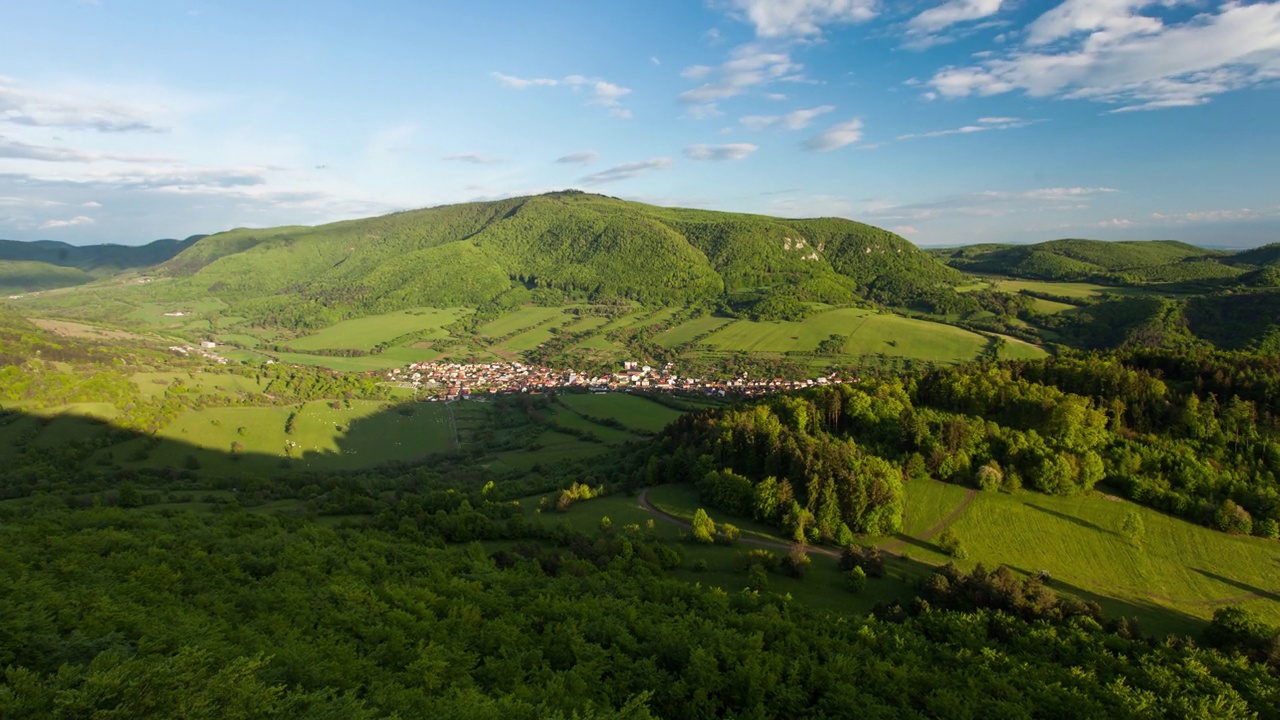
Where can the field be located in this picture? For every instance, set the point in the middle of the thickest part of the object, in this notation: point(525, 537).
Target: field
point(1179, 572)
point(634, 412)
point(870, 333)
point(366, 332)
point(521, 319)
point(1065, 289)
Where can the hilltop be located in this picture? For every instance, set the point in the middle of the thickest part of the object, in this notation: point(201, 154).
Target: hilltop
point(47, 264)
point(1117, 262)
point(582, 245)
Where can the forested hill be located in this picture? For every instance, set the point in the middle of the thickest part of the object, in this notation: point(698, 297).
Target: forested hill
point(97, 259)
point(584, 245)
point(1130, 262)
point(46, 264)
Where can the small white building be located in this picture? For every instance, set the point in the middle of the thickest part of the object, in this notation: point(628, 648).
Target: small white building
point(208, 344)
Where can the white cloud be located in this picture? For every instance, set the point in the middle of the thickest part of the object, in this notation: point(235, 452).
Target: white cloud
point(984, 125)
point(101, 108)
point(795, 120)
point(776, 97)
point(732, 151)
point(627, 170)
point(621, 114)
point(654, 60)
point(512, 81)
point(950, 13)
point(986, 204)
point(748, 66)
point(473, 158)
point(77, 220)
point(602, 92)
point(836, 136)
point(801, 18)
point(91, 204)
point(1215, 216)
point(582, 157)
point(1132, 61)
point(17, 150)
point(705, 112)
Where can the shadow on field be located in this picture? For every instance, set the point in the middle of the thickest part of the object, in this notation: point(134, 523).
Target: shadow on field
point(1153, 619)
point(1251, 590)
point(1071, 519)
point(236, 447)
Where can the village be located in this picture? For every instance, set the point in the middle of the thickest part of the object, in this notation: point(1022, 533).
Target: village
point(451, 381)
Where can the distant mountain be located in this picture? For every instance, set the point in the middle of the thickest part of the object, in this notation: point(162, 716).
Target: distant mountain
point(580, 244)
point(95, 259)
point(47, 264)
point(1124, 262)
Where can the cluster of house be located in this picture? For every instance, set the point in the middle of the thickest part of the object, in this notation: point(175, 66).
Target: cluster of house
point(449, 381)
point(205, 350)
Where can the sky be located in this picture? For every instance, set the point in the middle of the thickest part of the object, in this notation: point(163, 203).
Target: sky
point(947, 121)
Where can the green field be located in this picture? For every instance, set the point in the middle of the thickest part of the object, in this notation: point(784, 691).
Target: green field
point(1179, 572)
point(870, 333)
point(634, 412)
point(151, 384)
point(1064, 289)
point(363, 435)
point(687, 331)
point(521, 319)
point(1015, 349)
point(366, 332)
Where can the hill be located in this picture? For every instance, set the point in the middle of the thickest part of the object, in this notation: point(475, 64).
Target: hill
point(46, 264)
point(581, 245)
point(1126, 262)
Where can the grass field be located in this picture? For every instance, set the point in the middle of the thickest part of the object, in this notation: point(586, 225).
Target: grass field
point(521, 319)
point(1015, 349)
point(1179, 573)
point(634, 412)
point(366, 332)
point(869, 333)
point(1064, 289)
point(689, 330)
point(151, 384)
point(362, 435)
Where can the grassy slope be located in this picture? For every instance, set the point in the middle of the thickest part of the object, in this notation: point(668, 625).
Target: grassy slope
point(1180, 571)
point(23, 276)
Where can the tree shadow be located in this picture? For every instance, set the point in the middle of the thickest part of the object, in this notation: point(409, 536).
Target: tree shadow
point(1153, 619)
point(1088, 525)
point(1247, 588)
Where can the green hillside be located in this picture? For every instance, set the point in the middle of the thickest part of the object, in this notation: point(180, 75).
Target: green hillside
point(23, 276)
point(1127, 262)
point(583, 245)
point(99, 260)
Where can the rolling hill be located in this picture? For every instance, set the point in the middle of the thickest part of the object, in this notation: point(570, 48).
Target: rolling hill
point(47, 264)
point(582, 245)
point(1126, 262)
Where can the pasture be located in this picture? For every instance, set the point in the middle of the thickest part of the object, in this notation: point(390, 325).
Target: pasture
point(522, 319)
point(365, 434)
point(366, 332)
point(635, 412)
point(1177, 572)
point(868, 333)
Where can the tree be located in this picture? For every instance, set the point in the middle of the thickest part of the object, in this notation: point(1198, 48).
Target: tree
point(704, 528)
point(796, 562)
point(1133, 529)
point(990, 476)
point(857, 580)
point(949, 542)
point(1232, 518)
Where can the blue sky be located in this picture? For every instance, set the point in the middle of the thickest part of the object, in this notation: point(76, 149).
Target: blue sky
point(948, 121)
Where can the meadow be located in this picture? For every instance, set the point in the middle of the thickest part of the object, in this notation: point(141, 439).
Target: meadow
point(868, 332)
point(366, 332)
point(1177, 572)
point(634, 412)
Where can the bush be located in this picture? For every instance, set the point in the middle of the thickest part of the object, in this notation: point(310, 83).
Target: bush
point(857, 580)
point(949, 543)
point(704, 528)
point(796, 562)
